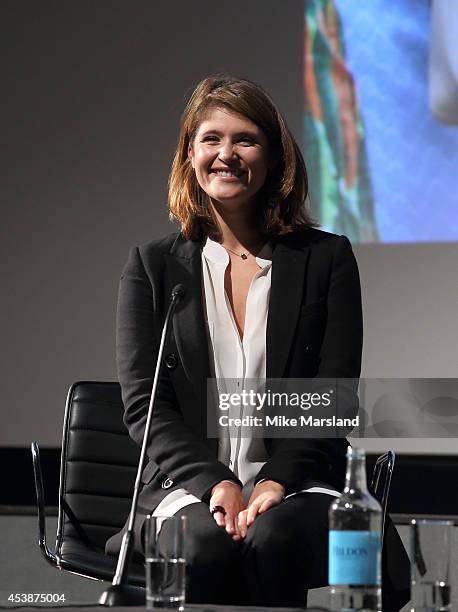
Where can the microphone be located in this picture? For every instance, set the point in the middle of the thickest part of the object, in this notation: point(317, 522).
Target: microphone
point(120, 593)
point(178, 291)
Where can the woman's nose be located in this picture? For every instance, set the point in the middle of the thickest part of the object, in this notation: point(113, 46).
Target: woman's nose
point(226, 151)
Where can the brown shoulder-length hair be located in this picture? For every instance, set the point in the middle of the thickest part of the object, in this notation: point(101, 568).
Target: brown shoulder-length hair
point(280, 201)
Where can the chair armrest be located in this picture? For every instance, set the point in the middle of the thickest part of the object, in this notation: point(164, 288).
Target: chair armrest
point(381, 480)
point(39, 488)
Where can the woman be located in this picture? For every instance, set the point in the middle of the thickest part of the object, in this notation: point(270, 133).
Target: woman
point(267, 295)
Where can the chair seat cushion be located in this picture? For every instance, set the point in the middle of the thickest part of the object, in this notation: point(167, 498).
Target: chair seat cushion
point(76, 557)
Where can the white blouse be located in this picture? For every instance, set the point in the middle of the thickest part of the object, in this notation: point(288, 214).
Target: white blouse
point(234, 361)
point(237, 362)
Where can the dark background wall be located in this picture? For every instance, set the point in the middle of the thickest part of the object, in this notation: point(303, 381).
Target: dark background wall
point(92, 95)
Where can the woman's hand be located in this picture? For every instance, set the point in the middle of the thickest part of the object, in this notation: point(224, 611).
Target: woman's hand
point(228, 495)
point(266, 494)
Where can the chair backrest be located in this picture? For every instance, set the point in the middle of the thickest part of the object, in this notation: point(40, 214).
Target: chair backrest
point(98, 466)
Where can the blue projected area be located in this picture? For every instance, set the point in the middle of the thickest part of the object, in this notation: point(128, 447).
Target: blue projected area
point(411, 156)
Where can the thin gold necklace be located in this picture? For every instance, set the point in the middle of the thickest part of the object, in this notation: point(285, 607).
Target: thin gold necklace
point(242, 255)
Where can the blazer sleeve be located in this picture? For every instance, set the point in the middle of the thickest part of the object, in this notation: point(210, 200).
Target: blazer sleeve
point(172, 445)
point(293, 460)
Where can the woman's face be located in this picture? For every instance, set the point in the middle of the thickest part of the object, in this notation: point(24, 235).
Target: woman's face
point(230, 156)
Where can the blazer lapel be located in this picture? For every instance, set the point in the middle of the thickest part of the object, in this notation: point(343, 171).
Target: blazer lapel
point(184, 265)
point(287, 286)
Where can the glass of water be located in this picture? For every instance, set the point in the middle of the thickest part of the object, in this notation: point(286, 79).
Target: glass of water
point(165, 562)
point(430, 557)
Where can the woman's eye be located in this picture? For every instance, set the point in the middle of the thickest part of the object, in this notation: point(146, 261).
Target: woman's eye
point(246, 140)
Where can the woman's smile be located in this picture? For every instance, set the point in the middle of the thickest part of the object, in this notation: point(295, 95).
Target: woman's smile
point(226, 175)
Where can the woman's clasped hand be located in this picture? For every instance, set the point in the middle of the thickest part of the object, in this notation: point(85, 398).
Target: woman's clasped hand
point(231, 512)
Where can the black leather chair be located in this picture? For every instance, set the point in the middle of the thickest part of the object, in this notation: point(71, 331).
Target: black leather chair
point(97, 474)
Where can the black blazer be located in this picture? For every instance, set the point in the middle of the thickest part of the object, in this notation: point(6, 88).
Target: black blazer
point(314, 328)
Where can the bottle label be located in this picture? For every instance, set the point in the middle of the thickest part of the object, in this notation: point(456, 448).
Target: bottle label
point(354, 557)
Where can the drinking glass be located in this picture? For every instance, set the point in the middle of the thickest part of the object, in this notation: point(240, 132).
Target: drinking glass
point(430, 569)
point(165, 562)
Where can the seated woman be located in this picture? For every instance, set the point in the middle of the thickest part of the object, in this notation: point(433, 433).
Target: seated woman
point(267, 296)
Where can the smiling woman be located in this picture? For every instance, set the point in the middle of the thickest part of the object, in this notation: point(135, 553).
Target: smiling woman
point(236, 130)
point(267, 296)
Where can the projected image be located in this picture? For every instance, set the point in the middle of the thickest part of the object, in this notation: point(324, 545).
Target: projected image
point(381, 118)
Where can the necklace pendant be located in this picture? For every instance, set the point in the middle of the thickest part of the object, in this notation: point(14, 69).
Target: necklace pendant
point(243, 256)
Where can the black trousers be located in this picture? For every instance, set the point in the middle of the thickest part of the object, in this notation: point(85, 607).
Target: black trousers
point(284, 554)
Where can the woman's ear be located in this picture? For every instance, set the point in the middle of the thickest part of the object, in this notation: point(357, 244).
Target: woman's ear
point(191, 154)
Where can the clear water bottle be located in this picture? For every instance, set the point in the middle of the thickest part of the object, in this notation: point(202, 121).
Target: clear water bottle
point(355, 521)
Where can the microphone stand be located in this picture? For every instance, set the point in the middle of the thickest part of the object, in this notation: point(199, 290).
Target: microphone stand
point(120, 593)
